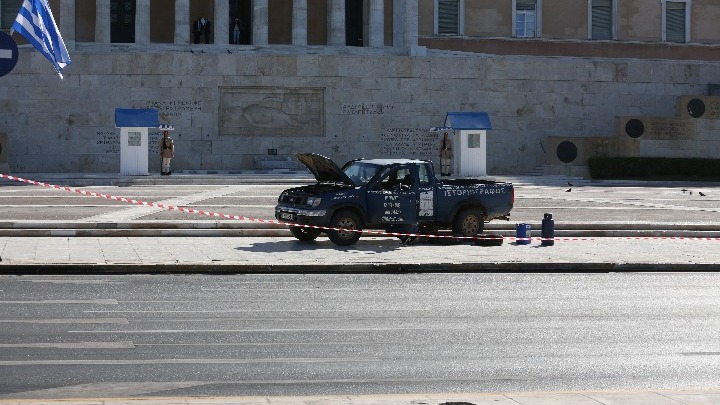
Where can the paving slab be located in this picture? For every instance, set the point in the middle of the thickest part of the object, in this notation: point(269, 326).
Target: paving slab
point(708, 396)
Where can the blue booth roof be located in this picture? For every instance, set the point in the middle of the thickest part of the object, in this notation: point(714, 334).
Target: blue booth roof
point(136, 117)
point(467, 120)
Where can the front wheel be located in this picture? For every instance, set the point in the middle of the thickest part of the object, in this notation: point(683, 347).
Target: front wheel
point(349, 226)
point(469, 222)
point(304, 234)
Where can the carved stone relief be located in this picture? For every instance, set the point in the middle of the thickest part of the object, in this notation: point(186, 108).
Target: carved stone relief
point(272, 111)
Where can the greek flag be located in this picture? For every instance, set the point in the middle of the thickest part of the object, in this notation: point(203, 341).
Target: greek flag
point(35, 22)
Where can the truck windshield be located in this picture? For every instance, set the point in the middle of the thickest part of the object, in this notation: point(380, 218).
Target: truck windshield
point(360, 173)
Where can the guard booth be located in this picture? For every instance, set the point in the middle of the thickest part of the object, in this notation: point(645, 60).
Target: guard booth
point(134, 125)
point(469, 138)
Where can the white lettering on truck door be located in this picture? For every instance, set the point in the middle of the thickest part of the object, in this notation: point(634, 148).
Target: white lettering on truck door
point(426, 204)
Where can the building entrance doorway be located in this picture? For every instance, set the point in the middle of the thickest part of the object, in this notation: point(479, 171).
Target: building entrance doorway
point(242, 10)
point(354, 13)
point(122, 21)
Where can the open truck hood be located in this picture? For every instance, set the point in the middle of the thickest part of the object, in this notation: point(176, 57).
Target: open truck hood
point(323, 168)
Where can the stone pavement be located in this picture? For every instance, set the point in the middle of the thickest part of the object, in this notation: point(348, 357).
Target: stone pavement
point(708, 396)
point(284, 254)
point(602, 226)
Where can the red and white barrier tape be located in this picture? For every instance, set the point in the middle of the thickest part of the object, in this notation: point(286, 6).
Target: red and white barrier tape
point(323, 228)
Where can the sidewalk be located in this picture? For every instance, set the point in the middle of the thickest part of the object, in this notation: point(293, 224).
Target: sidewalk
point(710, 396)
point(372, 254)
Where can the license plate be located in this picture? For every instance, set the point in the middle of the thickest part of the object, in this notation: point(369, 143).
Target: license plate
point(288, 216)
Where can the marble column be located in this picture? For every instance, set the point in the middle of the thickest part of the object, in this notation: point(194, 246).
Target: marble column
point(182, 22)
point(102, 21)
point(398, 23)
point(260, 22)
point(405, 26)
point(376, 33)
point(410, 31)
point(222, 22)
point(142, 22)
point(336, 23)
point(67, 23)
point(299, 22)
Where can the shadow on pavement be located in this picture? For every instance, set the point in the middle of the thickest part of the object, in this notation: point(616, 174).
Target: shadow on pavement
point(365, 246)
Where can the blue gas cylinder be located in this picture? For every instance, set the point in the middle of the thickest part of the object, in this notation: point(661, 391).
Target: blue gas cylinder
point(523, 234)
point(547, 234)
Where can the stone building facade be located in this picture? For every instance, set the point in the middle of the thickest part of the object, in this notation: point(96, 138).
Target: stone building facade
point(239, 107)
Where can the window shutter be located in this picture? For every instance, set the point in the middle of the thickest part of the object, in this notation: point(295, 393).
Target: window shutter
point(602, 19)
point(525, 18)
point(448, 15)
point(523, 5)
point(675, 21)
point(8, 11)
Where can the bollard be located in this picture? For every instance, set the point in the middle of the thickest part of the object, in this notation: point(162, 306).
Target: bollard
point(522, 234)
point(547, 233)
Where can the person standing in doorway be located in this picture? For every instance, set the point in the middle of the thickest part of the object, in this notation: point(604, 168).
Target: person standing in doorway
point(206, 29)
point(167, 152)
point(197, 30)
point(236, 31)
point(446, 155)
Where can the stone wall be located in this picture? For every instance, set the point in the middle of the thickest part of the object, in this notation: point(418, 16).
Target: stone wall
point(230, 109)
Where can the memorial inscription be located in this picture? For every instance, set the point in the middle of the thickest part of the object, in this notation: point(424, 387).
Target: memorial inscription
point(700, 107)
point(409, 143)
point(108, 141)
point(669, 129)
point(367, 109)
point(175, 108)
point(658, 128)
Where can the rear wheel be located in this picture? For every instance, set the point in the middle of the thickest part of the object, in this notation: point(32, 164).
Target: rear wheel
point(469, 222)
point(304, 234)
point(350, 226)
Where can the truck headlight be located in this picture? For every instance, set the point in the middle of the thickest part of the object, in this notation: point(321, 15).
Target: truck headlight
point(313, 201)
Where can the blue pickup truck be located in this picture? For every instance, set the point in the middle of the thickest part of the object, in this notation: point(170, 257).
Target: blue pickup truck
point(385, 193)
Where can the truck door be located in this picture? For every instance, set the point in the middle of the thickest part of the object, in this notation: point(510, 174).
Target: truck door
point(426, 193)
point(393, 197)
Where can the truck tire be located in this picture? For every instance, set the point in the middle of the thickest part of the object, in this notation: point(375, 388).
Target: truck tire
point(345, 220)
point(469, 222)
point(304, 234)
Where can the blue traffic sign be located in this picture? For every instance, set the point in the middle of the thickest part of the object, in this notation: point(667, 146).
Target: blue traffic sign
point(8, 53)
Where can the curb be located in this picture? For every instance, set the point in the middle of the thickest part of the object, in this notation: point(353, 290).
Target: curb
point(236, 268)
point(281, 231)
point(230, 228)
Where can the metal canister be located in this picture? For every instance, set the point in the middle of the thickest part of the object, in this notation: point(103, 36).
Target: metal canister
point(547, 234)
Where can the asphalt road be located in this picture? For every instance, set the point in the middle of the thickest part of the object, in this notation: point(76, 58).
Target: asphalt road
point(294, 334)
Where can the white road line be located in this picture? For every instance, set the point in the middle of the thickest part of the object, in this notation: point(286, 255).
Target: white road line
point(119, 321)
point(79, 345)
point(96, 362)
point(271, 330)
point(241, 310)
point(52, 302)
